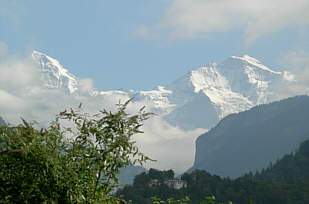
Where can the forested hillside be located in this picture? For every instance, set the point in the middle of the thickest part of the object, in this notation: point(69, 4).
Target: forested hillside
point(285, 182)
point(289, 167)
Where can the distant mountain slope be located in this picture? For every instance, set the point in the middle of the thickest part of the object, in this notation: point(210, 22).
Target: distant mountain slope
point(2, 122)
point(127, 174)
point(199, 99)
point(250, 140)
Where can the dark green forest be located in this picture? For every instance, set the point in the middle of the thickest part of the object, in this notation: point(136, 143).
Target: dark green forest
point(285, 182)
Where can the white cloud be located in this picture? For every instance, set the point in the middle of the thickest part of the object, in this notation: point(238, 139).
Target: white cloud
point(86, 85)
point(297, 62)
point(169, 145)
point(201, 18)
point(17, 74)
point(10, 102)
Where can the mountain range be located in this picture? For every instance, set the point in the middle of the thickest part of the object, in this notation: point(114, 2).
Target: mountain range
point(199, 99)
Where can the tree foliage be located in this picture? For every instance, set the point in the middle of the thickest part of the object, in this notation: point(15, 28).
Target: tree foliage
point(75, 163)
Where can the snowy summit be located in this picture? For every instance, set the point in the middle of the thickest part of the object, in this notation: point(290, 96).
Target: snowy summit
point(53, 73)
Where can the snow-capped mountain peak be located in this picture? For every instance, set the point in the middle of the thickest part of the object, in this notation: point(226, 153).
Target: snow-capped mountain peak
point(217, 87)
point(53, 74)
point(236, 84)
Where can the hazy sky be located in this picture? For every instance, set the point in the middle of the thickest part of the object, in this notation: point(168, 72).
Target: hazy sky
point(140, 44)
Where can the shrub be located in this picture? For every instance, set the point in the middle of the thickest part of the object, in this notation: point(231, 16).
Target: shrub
point(73, 164)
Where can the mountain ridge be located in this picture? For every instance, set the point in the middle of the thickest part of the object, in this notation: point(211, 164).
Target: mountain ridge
point(236, 84)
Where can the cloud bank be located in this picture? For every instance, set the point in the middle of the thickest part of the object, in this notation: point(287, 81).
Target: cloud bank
point(189, 19)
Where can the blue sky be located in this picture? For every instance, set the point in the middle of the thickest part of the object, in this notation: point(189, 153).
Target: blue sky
point(141, 44)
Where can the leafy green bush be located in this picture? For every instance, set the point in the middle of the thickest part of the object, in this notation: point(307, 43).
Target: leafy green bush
point(73, 164)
